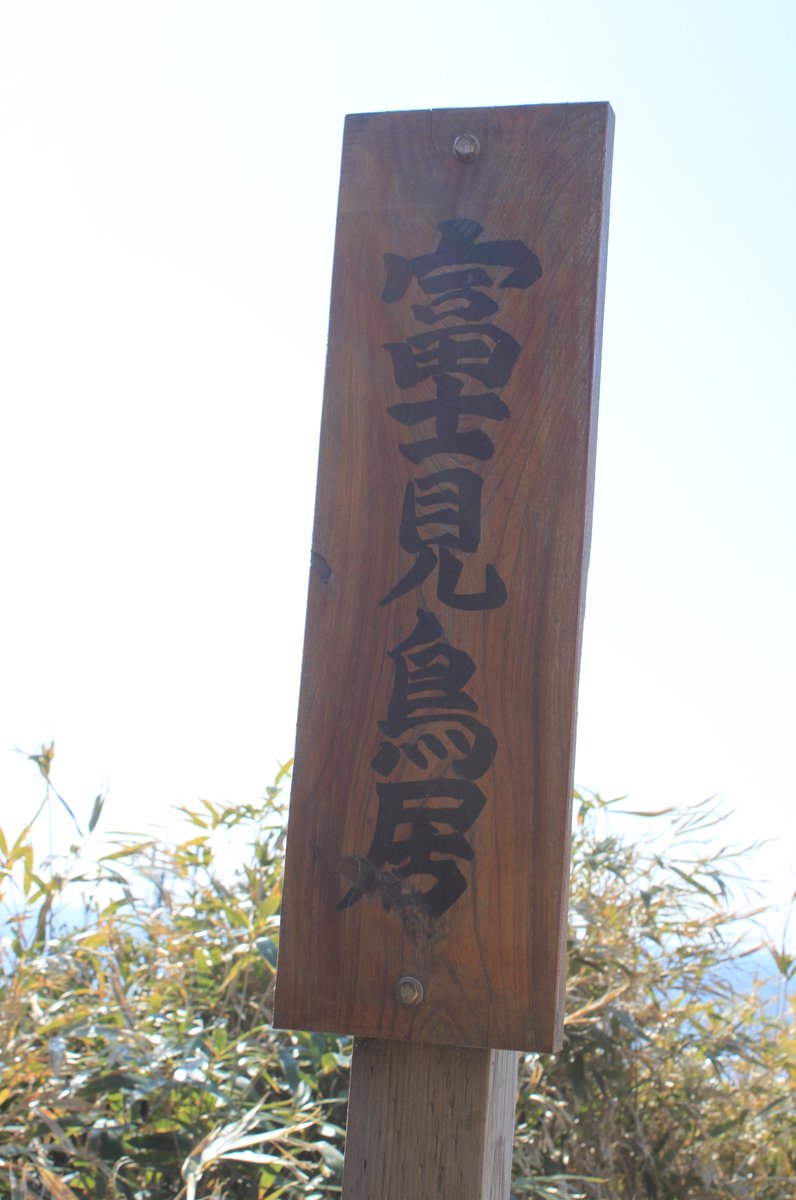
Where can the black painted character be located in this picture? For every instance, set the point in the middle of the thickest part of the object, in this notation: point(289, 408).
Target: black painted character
point(458, 293)
point(415, 837)
point(446, 410)
point(429, 704)
point(483, 352)
point(443, 510)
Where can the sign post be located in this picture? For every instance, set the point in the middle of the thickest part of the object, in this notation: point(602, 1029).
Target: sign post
point(427, 865)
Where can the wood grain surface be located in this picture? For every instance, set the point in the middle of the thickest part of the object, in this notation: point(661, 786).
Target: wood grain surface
point(404, 536)
point(429, 1122)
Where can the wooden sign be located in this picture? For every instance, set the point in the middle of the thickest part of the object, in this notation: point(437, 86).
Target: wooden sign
point(427, 863)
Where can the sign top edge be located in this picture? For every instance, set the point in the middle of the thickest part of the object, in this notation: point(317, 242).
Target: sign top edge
point(483, 108)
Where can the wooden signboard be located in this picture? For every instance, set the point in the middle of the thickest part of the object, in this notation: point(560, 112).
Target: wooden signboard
point(427, 861)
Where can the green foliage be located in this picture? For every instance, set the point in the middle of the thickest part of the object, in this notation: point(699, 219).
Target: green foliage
point(137, 1055)
point(137, 1058)
point(677, 1081)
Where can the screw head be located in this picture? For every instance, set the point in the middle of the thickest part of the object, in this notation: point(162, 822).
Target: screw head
point(408, 991)
point(466, 147)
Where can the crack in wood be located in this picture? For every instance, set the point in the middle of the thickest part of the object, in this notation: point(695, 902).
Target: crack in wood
point(320, 566)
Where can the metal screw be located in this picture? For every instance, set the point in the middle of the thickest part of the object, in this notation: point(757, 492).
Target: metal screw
point(466, 147)
point(408, 991)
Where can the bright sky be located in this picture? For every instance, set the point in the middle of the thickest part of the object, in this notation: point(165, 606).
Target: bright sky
point(166, 231)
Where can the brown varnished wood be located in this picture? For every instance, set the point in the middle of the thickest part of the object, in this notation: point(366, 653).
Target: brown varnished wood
point(492, 966)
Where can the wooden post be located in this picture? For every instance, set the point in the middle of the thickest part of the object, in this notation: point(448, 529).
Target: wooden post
point(429, 1122)
point(425, 902)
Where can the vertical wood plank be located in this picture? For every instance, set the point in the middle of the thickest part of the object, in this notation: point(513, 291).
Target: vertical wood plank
point(356, 912)
point(429, 1122)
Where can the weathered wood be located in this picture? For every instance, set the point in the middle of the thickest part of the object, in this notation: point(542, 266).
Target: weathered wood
point(492, 963)
point(429, 1122)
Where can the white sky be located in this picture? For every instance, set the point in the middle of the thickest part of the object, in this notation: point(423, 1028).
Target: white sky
point(167, 208)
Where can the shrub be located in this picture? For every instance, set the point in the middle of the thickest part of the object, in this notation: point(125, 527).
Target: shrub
point(137, 1058)
point(677, 1079)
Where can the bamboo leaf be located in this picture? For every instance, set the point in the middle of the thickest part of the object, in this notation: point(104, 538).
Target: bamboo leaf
point(96, 812)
